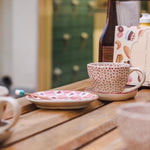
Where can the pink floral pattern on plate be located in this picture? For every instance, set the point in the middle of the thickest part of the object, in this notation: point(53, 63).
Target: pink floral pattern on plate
point(63, 95)
point(61, 99)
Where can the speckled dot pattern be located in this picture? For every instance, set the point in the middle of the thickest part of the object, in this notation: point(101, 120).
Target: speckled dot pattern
point(108, 77)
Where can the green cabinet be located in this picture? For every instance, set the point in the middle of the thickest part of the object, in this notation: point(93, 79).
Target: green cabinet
point(72, 40)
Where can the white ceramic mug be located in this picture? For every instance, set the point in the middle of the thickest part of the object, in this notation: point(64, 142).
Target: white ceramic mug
point(109, 77)
point(16, 112)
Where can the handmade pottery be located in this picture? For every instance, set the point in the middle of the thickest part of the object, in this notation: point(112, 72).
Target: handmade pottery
point(61, 99)
point(113, 96)
point(111, 77)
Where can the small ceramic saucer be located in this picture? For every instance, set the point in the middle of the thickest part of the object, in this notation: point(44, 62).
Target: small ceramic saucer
point(61, 99)
point(112, 96)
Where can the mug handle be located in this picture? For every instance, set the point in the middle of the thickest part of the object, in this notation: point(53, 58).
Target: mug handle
point(132, 69)
point(16, 112)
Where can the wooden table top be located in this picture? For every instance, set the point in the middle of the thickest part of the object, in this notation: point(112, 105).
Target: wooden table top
point(91, 128)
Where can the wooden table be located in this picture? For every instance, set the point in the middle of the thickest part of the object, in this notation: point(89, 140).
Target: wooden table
point(90, 128)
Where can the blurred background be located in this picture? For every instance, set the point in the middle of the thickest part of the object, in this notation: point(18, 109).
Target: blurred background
point(48, 43)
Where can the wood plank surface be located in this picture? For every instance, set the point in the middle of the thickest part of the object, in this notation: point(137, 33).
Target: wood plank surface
point(113, 139)
point(72, 134)
point(110, 141)
point(30, 124)
point(80, 85)
point(143, 96)
point(40, 120)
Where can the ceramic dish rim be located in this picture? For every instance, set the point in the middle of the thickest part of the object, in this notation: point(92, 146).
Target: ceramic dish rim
point(62, 101)
point(104, 93)
point(98, 65)
point(80, 99)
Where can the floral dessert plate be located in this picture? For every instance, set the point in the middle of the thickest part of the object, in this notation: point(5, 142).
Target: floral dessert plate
point(113, 96)
point(61, 99)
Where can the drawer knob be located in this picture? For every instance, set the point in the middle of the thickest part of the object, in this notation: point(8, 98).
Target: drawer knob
point(57, 4)
point(57, 71)
point(57, 76)
point(74, 3)
point(91, 7)
point(91, 4)
point(84, 37)
point(75, 74)
point(66, 37)
point(76, 68)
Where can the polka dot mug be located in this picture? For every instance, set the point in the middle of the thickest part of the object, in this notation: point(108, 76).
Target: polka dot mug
point(109, 77)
